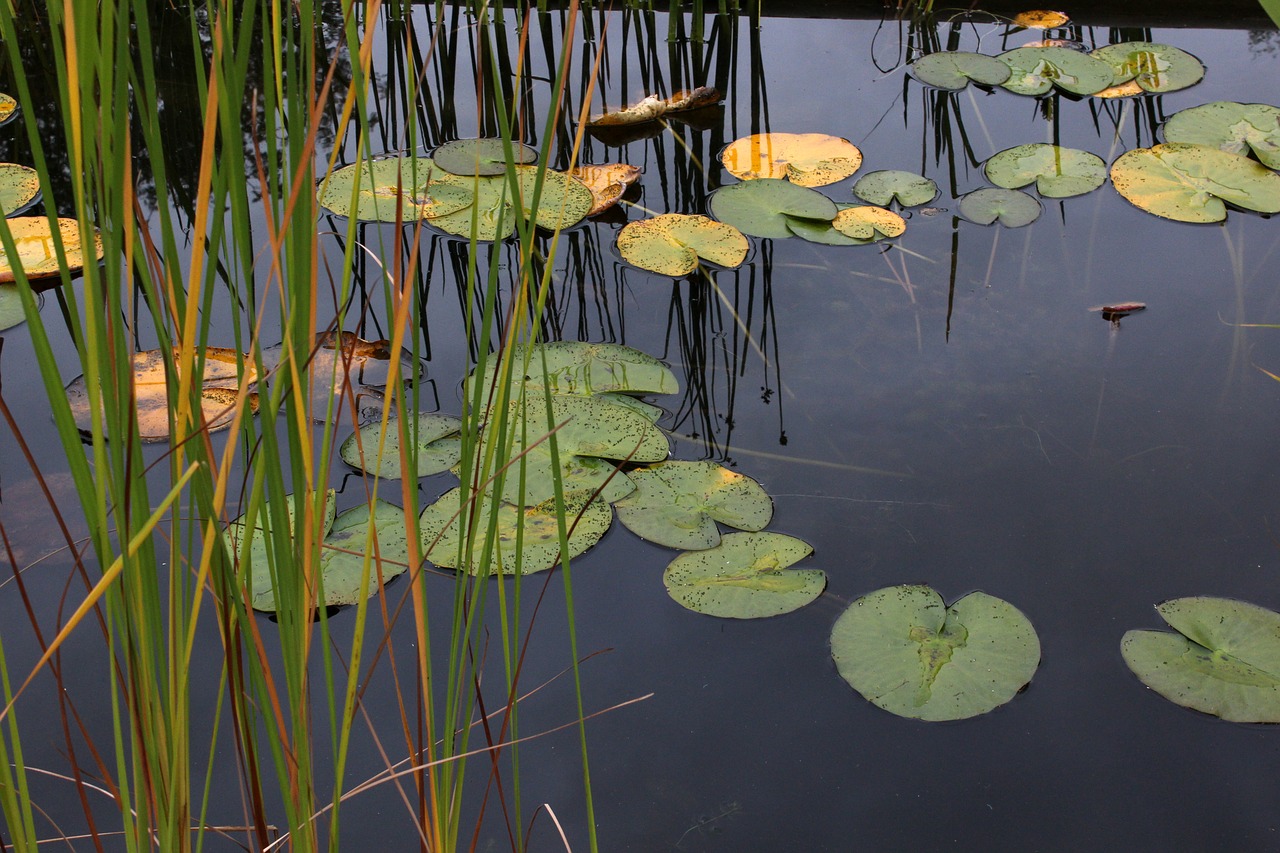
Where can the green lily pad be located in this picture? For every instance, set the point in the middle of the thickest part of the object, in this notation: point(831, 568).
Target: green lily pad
point(1011, 208)
point(806, 159)
point(563, 203)
point(584, 369)
point(1224, 659)
point(887, 185)
point(1190, 183)
point(648, 411)
point(762, 207)
point(1232, 127)
point(673, 243)
point(678, 503)
point(346, 363)
point(420, 188)
point(905, 651)
point(1154, 67)
point(745, 577)
point(342, 562)
point(37, 256)
point(1036, 70)
point(19, 188)
point(260, 568)
point(11, 313)
point(485, 156)
point(8, 109)
point(953, 69)
point(854, 225)
point(1057, 172)
point(444, 529)
point(436, 438)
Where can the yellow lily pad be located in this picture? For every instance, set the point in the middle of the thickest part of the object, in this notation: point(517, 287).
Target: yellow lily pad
point(8, 109)
point(1190, 183)
point(807, 159)
point(19, 188)
point(672, 244)
point(607, 183)
point(37, 255)
point(1041, 19)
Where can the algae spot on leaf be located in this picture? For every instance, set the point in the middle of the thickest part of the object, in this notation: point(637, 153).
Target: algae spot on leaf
point(746, 576)
point(434, 436)
point(1230, 126)
point(37, 254)
point(1056, 171)
point(678, 503)
point(484, 156)
point(887, 185)
point(905, 651)
point(1011, 208)
point(1037, 70)
point(19, 188)
point(672, 243)
point(1154, 67)
point(806, 159)
point(1190, 183)
point(1224, 659)
point(953, 69)
point(764, 207)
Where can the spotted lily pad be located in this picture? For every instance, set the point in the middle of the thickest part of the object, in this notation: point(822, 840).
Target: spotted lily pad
point(580, 368)
point(746, 576)
point(563, 203)
point(19, 188)
point(1037, 70)
point(806, 159)
point(445, 526)
point(377, 530)
point(414, 184)
point(678, 503)
point(1041, 19)
point(763, 207)
point(607, 183)
point(345, 362)
point(485, 156)
point(263, 594)
point(11, 312)
point(888, 185)
point(1056, 171)
point(673, 243)
point(1190, 183)
point(953, 69)
point(907, 652)
point(854, 225)
point(435, 436)
point(37, 256)
point(1224, 659)
point(1011, 208)
point(1233, 127)
point(1154, 67)
point(8, 109)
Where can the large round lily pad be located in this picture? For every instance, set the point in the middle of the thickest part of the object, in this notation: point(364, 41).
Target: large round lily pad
point(563, 203)
point(907, 652)
point(263, 595)
point(342, 561)
point(763, 207)
point(581, 368)
point(807, 159)
point(673, 243)
point(678, 503)
point(1037, 70)
point(19, 188)
point(1011, 208)
point(746, 576)
point(434, 436)
point(484, 156)
point(1056, 171)
point(444, 529)
point(953, 69)
point(345, 363)
point(1154, 67)
point(1190, 183)
point(1236, 128)
point(414, 184)
point(854, 225)
point(889, 185)
point(37, 256)
point(1224, 659)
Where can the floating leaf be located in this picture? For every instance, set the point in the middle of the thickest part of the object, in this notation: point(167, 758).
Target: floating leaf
point(342, 363)
point(8, 109)
point(745, 577)
point(260, 566)
point(1117, 311)
point(678, 503)
point(885, 186)
point(607, 183)
point(953, 69)
point(1224, 659)
point(1189, 183)
point(380, 533)
point(1057, 172)
point(1036, 70)
point(907, 652)
point(11, 313)
point(1124, 90)
point(576, 367)
point(415, 184)
point(652, 107)
point(854, 225)
point(19, 188)
point(1233, 127)
point(1154, 67)
point(1012, 208)
point(445, 528)
point(435, 436)
point(484, 156)
point(648, 411)
point(762, 207)
point(806, 159)
point(672, 243)
point(1041, 19)
point(37, 255)
point(563, 202)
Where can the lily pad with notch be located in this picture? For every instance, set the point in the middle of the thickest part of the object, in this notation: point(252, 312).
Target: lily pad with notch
point(764, 207)
point(485, 156)
point(1156, 68)
point(37, 256)
point(581, 368)
point(1037, 70)
point(954, 69)
point(1011, 208)
point(678, 503)
point(414, 185)
point(563, 203)
point(746, 576)
point(854, 225)
point(805, 159)
point(607, 183)
point(888, 185)
point(374, 530)
point(258, 553)
point(1057, 172)
point(674, 243)
point(907, 652)
point(1194, 183)
point(436, 438)
point(1224, 658)
point(1232, 127)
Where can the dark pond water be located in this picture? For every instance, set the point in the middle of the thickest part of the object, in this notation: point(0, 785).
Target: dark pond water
point(947, 411)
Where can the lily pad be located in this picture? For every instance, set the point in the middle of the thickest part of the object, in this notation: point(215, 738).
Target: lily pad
point(806, 159)
point(1224, 659)
point(1154, 67)
point(888, 185)
point(36, 253)
point(563, 203)
point(953, 69)
point(260, 568)
point(762, 207)
point(607, 183)
point(485, 156)
point(11, 313)
point(678, 503)
point(648, 411)
point(1036, 70)
point(416, 184)
point(745, 577)
point(854, 225)
point(905, 651)
point(345, 361)
point(445, 529)
point(342, 562)
point(8, 109)
point(672, 243)
point(1190, 183)
point(1011, 208)
point(438, 446)
point(19, 188)
point(584, 369)
point(1056, 171)
point(1041, 19)
point(1236, 128)
point(218, 391)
